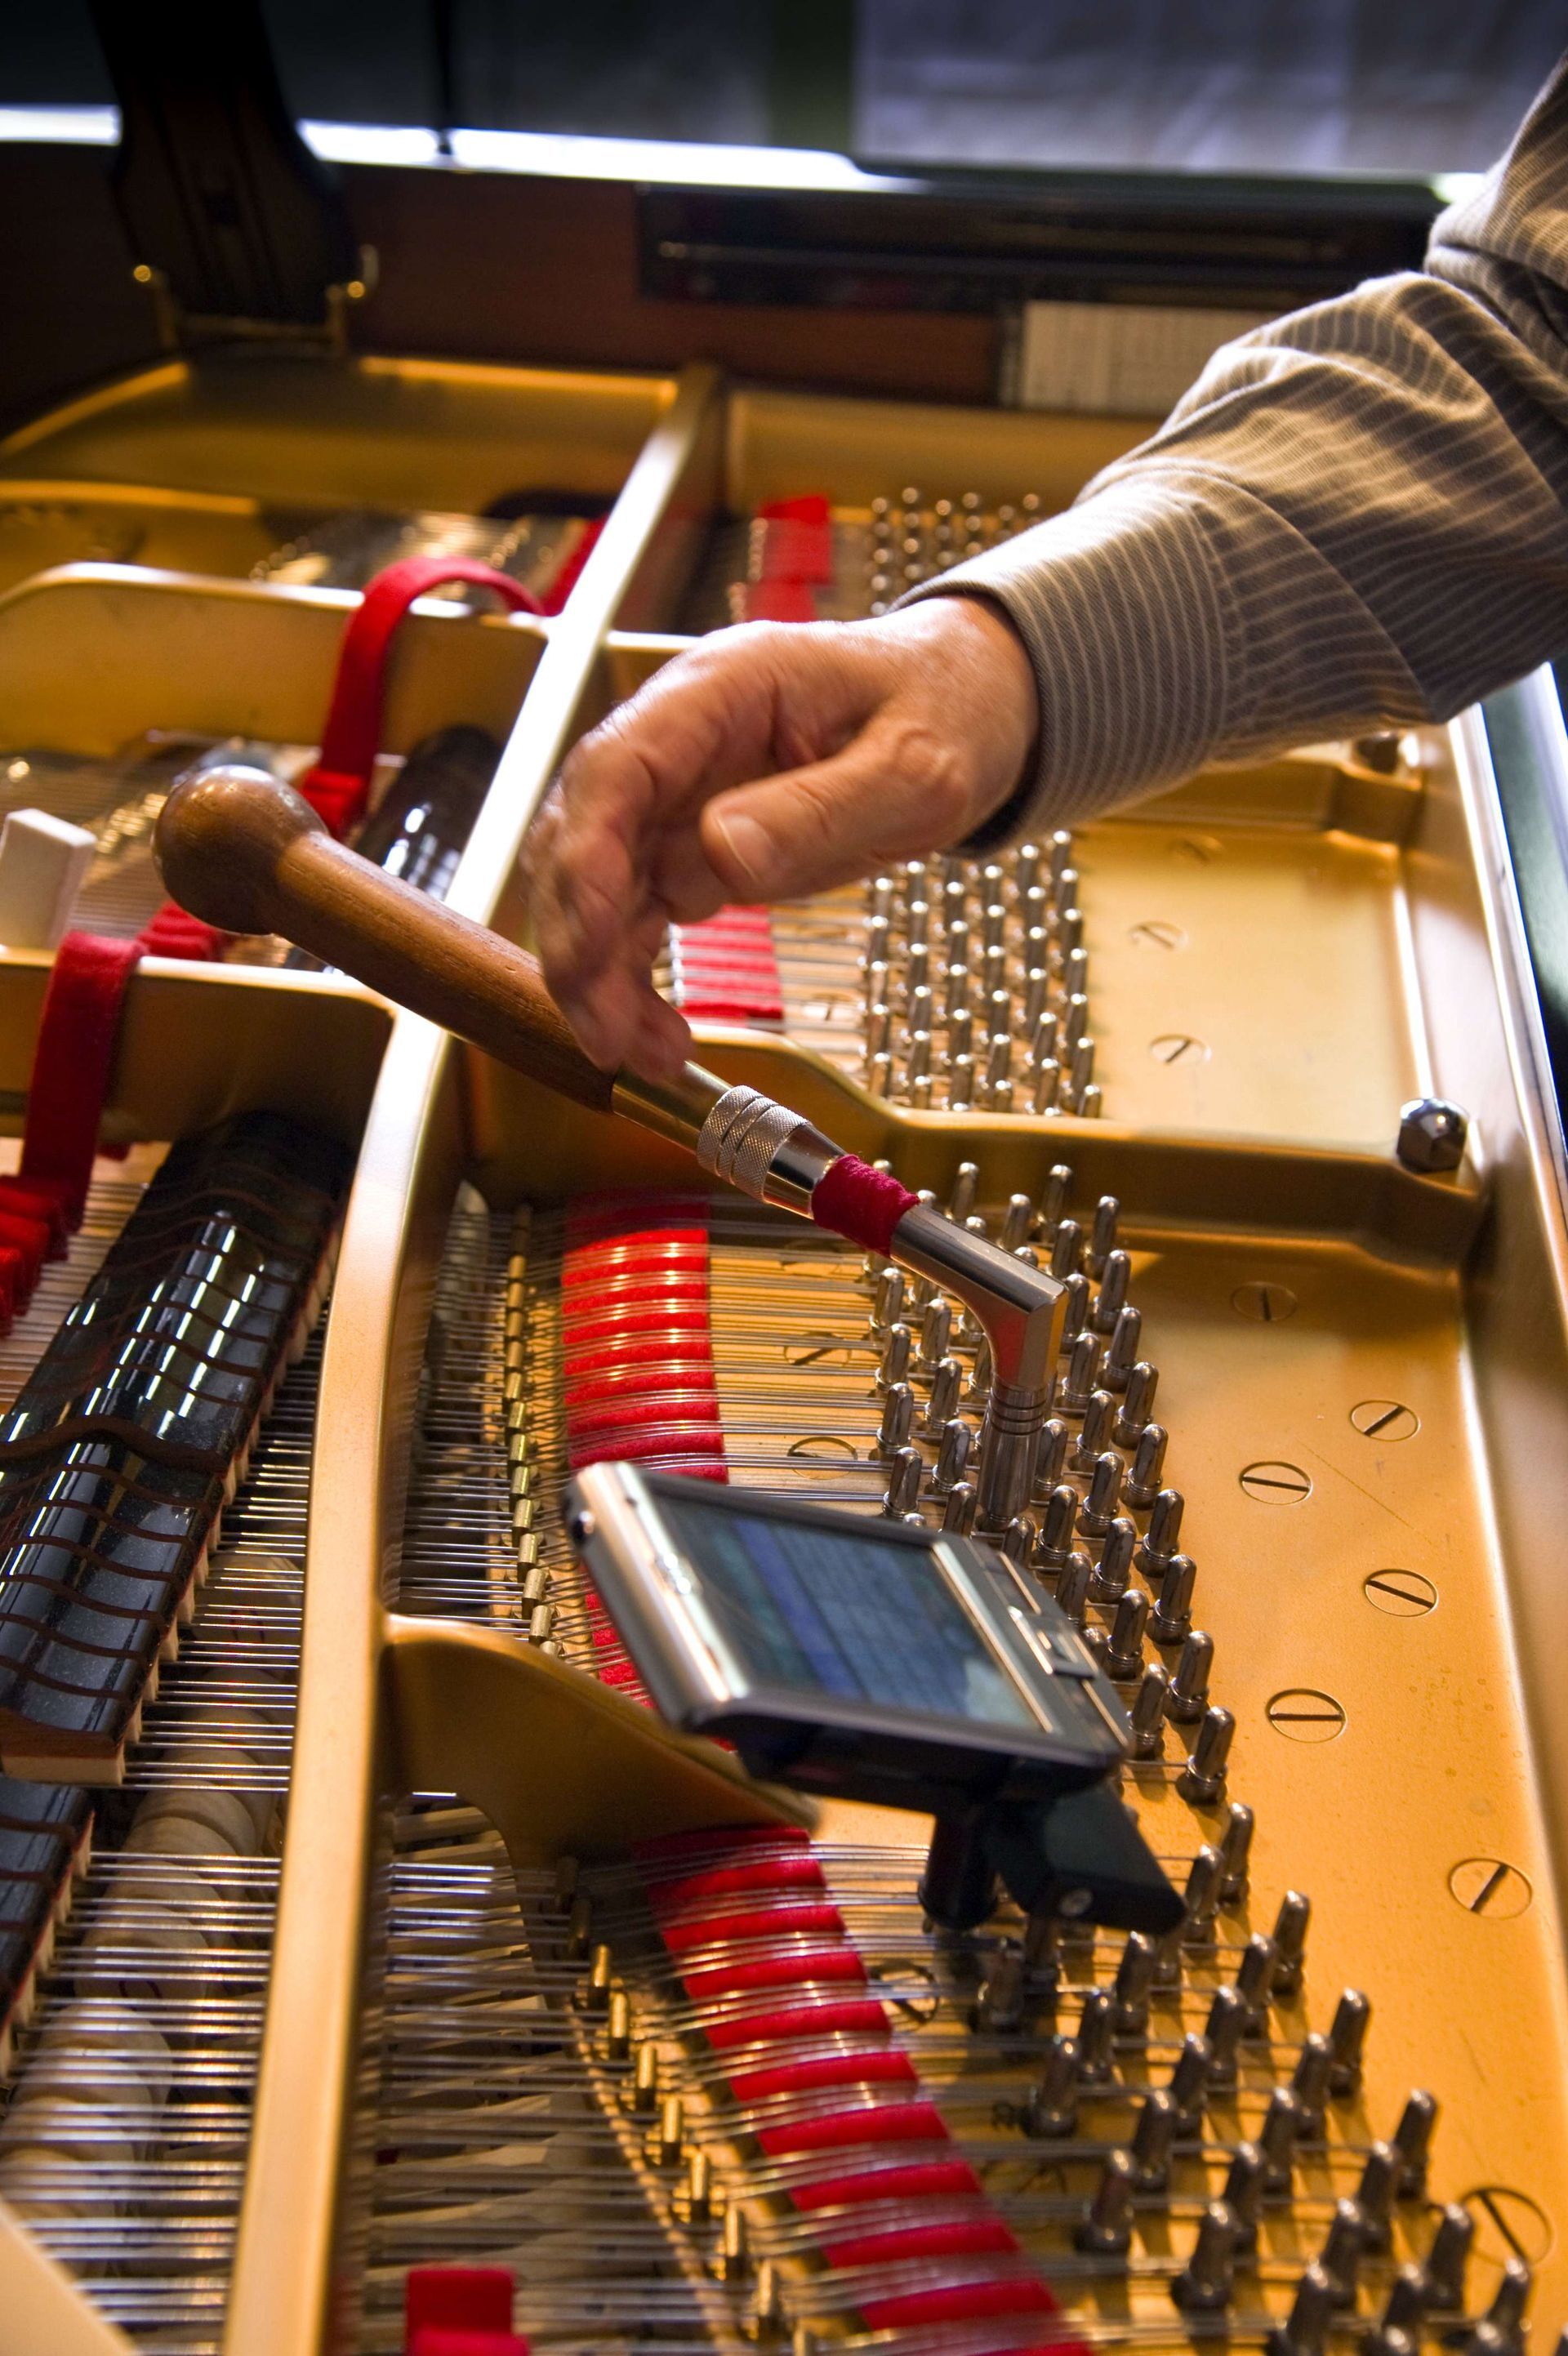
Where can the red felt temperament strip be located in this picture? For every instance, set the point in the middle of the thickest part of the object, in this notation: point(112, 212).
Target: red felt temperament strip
point(725, 969)
point(882, 2146)
point(863, 1204)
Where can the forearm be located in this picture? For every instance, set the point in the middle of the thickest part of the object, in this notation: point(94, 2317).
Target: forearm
point(1359, 514)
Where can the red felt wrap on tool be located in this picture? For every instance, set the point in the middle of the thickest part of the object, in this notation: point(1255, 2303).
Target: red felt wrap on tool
point(863, 1204)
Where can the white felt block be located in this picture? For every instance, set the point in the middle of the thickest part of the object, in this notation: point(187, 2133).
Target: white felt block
point(43, 866)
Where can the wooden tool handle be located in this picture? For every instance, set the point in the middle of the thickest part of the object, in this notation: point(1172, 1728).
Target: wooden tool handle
point(243, 851)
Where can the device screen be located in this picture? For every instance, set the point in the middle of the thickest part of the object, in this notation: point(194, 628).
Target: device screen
point(865, 1617)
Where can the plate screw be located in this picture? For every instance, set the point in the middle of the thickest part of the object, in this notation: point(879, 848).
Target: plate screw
point(1432, 1134)
point(1178, 1047)
point(1303, 1715)
point(1484, 1885)
point(1157, 933)
point(1404, 1594)
point(1264, 1302)
point(1384, 1419)
point(1275, 1484)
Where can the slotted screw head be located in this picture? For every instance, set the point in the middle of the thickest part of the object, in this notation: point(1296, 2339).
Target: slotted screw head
point(1432, 1134)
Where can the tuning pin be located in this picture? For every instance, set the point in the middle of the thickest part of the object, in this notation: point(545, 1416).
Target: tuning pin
point(1090, 1100)
point(1058, 850)
point(594, 1993)
point(1042, 1034)
point(1047, 1087)
point(904, 1478)
point(1447, 2258)
point(1017, 1220)
point(965, 1186)
point(1147, 1714)
point(979, 1383)
point(768, 2321)
point(1188, 1696)
point(879, 1079)
point(1235, 1849)
point(1057, 1525)
point(1050, 1454)
point(992, 981)
point(1102, 1236)
point(880, 891)
point(1067, 1245)
point(1018, 1540)
point(1164, 1531)
point(1171, 1621)
point(1227, 2025)
point(732, 2262)
point(942, 1407)
point(1309, 2079)
point(1000, 2006)
point(1306, 2333)
point(1051, 2111)
point(1399, 2331)
point(888, 1307)
point(952, 1452)
point(1153, 2139)
point(1080, 1072)
point(1053, 1198)
point(1026, 859)
point(1244, 2191)
point(958, 1514)
point(1075, 1307)
point(1096, 2030)
point(1413, 2141)
point(1343, 2249)
point(1377, 2191)
point(1131, 1989)
point(1290, 1942)
point(1255, 1982)
point(1112, 1294)
point(1075, 1019)
point(1500, 2331)
point(998, 1060)
point(1099, 1508)
point(1070, 936)
point(1204, 2284)
point(1122, 1357)
point(1142, 1485)
point(1072, 1590)
point(1106, 2229)
point(665, 2142)
point(1094, 1434)
point(936, 1332)
point(1277, 2139)
point(1202, 1779)
point(1189, 2083)
point(1124, 1655)
point(1347, 2039)
point(961, 1082)
point(897, 1421)
point(1201, 1897)
point(1083, 1372)
point(896, 1353)
point(1075, 972)
point(1113, 1569)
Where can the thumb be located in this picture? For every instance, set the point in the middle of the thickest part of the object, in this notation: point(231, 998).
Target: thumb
point(896, 790)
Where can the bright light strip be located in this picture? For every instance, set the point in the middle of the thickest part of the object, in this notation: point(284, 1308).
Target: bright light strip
point(544, 155)
point(62, 126)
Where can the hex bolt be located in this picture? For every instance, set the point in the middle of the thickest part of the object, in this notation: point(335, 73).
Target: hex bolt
point(1432, 1134)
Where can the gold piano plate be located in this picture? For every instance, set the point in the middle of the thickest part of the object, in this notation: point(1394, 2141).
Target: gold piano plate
point(1363, 1370)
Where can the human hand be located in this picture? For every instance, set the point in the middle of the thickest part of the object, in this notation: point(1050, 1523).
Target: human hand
point(773, 760)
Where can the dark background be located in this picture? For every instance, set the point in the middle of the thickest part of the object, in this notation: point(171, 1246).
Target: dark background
point(1230, 85)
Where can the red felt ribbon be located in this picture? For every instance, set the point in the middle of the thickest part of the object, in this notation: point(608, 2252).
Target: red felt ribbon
point(859, 1202)
point(338, 786)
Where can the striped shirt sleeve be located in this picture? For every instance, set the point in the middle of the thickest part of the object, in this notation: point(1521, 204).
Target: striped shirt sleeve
point(1358, 516)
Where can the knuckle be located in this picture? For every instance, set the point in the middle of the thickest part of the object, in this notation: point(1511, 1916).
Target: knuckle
point(931, 771)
